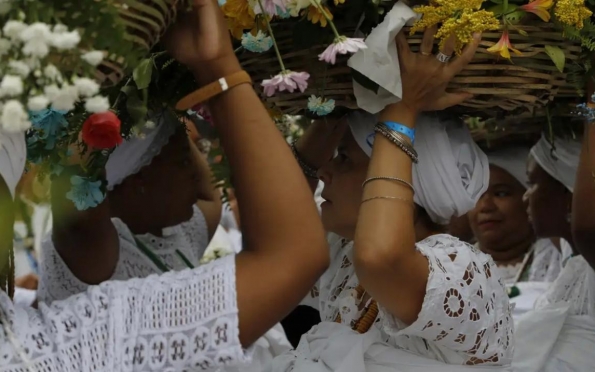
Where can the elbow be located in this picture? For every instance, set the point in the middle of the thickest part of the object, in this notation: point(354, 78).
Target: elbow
point(373, 256)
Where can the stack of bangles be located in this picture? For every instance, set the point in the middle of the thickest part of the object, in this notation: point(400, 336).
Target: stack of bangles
point(403, 137)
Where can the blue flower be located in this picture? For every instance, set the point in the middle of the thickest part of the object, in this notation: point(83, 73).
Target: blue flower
point(49, 124)
point(257, 44)
point(585, 111)
point(320, 106)
point(283, 14)
point(84, 193)
point(222, 2)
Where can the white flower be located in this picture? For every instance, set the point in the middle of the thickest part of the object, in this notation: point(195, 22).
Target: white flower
point(19, 68)
point(65, 98)
point(38, 103)
point(294, 6)
point(93, 57)
point(66, 40)
point(14, 118)
point(97, 104)
point(60, 29)
point(4, 6)
point(11, 85)
point(150, 124)
point(36, 38)
point(51, 91)
point(51, 72)
point(12, 29)
point(86, 87)
point(4, 46)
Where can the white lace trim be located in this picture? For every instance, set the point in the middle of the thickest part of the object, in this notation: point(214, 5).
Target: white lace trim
point(173, 322)
point(57, 282)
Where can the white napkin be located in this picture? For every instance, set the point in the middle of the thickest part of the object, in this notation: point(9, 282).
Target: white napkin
point(380, 62)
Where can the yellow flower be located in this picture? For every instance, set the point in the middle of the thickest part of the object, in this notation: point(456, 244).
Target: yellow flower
point(503, 47)
point(240, 16)
point(539, 8)
point(572, 12)
point(337, 2)
point(316, 16)
point(462, 18)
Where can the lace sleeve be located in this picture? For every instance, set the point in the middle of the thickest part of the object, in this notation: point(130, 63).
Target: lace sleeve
point(465, 308)
point(174, 322)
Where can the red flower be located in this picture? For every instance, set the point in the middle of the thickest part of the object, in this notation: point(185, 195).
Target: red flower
point(102, 131)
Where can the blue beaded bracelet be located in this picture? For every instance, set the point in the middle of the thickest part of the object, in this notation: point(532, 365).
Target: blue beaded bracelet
point(401, 129)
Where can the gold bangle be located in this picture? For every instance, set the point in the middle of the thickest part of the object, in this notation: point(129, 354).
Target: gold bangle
point(387, 198)
point(386, 178)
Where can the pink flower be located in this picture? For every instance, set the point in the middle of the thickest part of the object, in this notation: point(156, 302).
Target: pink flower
point(202, 111)
point(286, 80)
point(342, 45)
point(271, 7)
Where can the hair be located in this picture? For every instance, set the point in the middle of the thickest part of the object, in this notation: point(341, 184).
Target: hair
point(421, 215)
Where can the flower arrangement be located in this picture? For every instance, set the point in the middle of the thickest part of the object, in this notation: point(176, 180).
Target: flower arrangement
point(549, 43)
point(61, 62)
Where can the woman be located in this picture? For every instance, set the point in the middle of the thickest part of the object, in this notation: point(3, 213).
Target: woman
point(135, 325)
point(164, 208)
point(501, 225)
point(559, 334)
point(441, 305)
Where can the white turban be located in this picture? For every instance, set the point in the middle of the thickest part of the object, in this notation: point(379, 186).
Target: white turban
point(138, 152)
point(513, 160)
point(452, 172)
point(561, 162)
point(13, 154)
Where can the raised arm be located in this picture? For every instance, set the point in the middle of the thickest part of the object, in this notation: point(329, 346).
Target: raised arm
point(86, 241)
point(281, 259)
point(386, 261)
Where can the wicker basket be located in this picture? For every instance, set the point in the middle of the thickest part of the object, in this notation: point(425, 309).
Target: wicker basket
point(529, 81)
point(145, 21)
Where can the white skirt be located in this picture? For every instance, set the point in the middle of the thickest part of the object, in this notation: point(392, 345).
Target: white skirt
point(332, 347)
point(551, 340)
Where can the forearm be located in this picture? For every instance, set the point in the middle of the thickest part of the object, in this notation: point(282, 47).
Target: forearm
point(386, 261)
point(259, 156)
point(86, 240)
point(583, 204)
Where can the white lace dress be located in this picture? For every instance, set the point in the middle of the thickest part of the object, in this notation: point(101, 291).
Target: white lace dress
point(179, 321)
point(559, 334)
point(465, 318)
point(186, 241)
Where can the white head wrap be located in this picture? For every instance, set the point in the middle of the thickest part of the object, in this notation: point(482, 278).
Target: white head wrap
point(13, 154)
point(513, 160)
point(561, 162)
point(138, 152)
point(452, 172)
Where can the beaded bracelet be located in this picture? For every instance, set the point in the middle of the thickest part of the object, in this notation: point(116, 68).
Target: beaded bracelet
point(406, 148)
point(309, 171)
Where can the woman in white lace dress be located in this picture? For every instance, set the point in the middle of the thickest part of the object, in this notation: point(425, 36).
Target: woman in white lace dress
point(164, 207)
point(195, 319)
point(559, 334)
point(441, 304)
point(501, 224)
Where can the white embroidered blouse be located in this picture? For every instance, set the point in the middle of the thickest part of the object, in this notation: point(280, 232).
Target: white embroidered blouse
point(575, 286)
point(465, 318)
point(188, 241)
point(178, 321)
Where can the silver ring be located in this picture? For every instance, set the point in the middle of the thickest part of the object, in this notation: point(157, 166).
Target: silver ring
point(442, 57)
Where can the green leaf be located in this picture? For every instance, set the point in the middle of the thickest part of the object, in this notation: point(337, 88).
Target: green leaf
point(136, 109)
point(142, 73)
point(364, 81)
point(522, 32)
point(557, 56)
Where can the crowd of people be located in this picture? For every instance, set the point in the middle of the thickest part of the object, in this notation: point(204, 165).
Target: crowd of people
point(417, 250)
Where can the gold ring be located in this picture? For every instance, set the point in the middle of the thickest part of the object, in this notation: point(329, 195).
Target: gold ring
point(425, 54)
